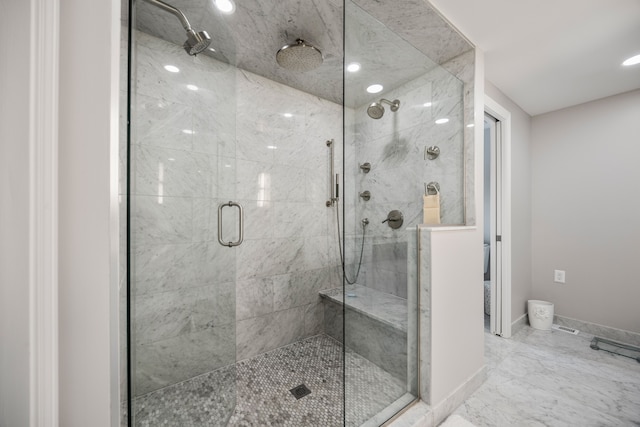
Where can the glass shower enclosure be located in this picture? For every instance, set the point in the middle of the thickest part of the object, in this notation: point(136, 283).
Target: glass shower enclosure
point(272, 210)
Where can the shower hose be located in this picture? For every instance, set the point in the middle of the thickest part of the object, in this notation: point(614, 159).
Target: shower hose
point(364, 223)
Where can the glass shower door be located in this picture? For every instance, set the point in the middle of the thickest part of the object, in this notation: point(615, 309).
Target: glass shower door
point(184, 227)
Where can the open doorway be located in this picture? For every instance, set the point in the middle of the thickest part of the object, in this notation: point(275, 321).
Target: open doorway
point(497, 223)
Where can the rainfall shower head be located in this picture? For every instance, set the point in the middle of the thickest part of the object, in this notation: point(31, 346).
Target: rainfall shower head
point(196, 42)
point(376, 110)
point(299, 56)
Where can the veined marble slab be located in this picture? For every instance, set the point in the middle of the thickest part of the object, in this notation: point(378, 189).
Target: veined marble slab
point(553, 378)
point(386, 308)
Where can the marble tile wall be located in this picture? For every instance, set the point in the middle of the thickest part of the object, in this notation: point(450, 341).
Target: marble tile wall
point(202, 136)
point(183, 135)
point(290, 252)
point(395, 146)
point(375, 340)
point(277, 23)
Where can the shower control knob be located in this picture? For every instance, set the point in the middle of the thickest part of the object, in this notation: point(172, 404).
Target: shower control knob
point(394, 219)
point(366, 167)
point(366, 195)
point(432, 152)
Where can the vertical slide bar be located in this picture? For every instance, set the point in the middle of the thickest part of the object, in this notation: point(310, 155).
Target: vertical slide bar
point(333, 182)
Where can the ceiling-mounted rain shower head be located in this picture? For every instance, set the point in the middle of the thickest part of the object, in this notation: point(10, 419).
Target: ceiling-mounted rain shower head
point(299, 56)
point(376, 110)
point(196, 42)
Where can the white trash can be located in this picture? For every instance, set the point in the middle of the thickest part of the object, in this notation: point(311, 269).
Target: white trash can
point(540, 314)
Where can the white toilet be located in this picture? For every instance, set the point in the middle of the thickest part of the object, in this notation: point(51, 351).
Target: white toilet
point(487, 283)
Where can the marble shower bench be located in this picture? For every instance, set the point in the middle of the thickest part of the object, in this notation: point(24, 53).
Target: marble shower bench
point(376, 325)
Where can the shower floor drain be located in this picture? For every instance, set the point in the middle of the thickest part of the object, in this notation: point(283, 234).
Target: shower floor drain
point(300, 391)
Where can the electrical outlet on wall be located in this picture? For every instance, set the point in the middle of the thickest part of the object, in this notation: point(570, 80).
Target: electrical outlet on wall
point(558, 276)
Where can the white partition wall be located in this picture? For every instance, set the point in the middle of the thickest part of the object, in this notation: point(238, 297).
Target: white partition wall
point(451, 314)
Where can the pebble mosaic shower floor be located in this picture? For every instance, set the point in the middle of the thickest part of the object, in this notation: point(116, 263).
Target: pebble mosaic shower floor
point(262, 391)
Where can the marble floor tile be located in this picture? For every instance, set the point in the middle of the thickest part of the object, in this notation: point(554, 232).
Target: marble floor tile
point(551, 378)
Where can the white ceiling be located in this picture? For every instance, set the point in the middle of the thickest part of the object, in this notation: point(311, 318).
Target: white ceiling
point(550, 54)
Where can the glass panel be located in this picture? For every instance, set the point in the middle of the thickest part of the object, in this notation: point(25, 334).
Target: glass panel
point(183, 281)
point(123, 200)
point(394, 128)
point(223, 336)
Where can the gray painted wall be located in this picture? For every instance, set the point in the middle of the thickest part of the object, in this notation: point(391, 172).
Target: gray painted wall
point(520, 201)
point(585, 210)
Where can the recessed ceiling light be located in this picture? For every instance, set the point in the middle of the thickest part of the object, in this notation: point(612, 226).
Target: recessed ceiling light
point(288, 115)
point(272, 147)
point(470, 125)
point(442, 121)
point(225, 6)
point(192, 87)
point(172, 68)
point(353, 67)
point(375, 88)
point(188, 131)
point(427, 104)
point(632, 61)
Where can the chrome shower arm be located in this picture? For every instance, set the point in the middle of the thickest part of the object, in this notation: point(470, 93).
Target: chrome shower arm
point(173, 10)
point(395, 104)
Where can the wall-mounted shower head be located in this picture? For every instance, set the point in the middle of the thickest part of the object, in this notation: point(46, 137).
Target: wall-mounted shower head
point(196, 42)
point(299, 56)
point(376, 110)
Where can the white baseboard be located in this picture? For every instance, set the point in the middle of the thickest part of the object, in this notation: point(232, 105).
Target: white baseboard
point(519, 323)
point(615, 334)
point(422, 415)
point(445, 408)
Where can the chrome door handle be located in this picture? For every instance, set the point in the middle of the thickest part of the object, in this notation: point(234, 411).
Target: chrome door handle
point(240, 224)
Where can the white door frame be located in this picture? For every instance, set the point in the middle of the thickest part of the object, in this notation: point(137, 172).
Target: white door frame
point(500, 220)
point(43, 213)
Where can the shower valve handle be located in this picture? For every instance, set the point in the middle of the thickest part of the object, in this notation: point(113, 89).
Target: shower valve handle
point(395, 219)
